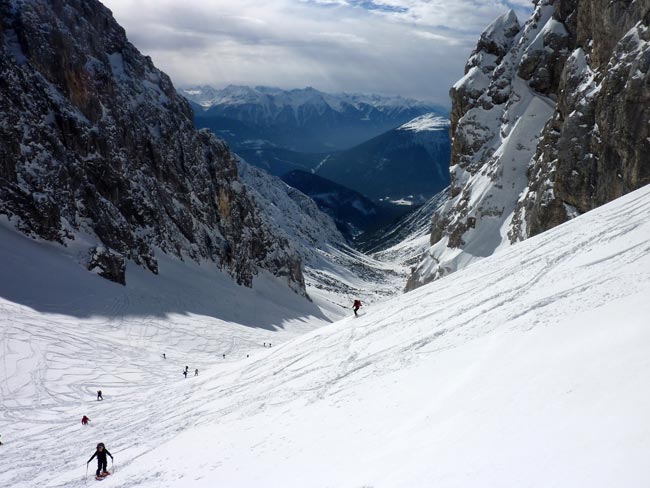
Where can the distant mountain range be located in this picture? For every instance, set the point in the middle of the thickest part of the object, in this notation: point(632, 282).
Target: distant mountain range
point(407, 165)
point(304, 120)
point(365, 159)
point(352, 212)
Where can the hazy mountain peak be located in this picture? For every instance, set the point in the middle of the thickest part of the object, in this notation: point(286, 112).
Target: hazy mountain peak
point(207, 97)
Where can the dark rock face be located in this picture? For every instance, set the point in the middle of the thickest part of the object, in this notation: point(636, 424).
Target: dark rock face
point(108, 264)
point(549, 122)
point(96, 141)
point(470, 144)
point(595, 147)
point(493, 45)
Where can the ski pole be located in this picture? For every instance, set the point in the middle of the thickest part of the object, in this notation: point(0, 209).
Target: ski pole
point(86, 478)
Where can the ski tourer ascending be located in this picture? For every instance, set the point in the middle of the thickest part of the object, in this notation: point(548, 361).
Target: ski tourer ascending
point(356, 307)
point(101, 453)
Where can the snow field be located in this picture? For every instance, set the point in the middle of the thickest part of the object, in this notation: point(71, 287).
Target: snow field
point(65, 333)
point(528, 368)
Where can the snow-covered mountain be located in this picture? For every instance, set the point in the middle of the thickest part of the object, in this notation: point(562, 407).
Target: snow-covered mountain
point(272, 103)
point(549, 121)
point(388, 149)
point(406, 165)
point(334, 272)
point(305, 120)
point(527, 368)
point(100, 153)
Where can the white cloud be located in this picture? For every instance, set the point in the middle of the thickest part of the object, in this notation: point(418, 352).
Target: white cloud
point(409, 47)
point(452, 41)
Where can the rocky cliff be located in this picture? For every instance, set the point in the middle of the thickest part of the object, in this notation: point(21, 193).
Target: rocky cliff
point(550, 120)
point(596, 145)
point(99, 153)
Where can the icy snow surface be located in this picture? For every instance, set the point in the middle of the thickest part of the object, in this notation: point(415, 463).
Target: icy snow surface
point(528, 368)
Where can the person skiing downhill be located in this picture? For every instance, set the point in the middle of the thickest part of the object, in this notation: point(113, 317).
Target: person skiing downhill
point(101, 453)
point(99, 395)
point(84, 420)
point(356, 306)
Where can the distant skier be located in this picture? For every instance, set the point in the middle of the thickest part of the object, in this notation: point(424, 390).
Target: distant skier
point(185, 373)
point(99, 395)
point(224, 356)
point(0, 441)
point(356, 306)
point(101, 453)
point(196, 372)
point(164, 356)
point(84, 420)
point(187, 368)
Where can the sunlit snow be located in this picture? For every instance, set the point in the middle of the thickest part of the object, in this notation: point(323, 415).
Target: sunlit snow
point(528, 368)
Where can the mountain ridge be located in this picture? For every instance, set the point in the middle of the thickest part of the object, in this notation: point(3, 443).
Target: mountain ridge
point(318, 121)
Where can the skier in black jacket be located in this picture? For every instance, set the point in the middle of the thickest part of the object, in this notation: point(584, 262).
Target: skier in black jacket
point(101, 453)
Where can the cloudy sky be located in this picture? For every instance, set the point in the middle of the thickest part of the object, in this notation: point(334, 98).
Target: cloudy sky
point(408, 47)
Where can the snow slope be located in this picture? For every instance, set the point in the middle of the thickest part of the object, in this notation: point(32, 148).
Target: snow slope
point(528, 368)
point(334, 272)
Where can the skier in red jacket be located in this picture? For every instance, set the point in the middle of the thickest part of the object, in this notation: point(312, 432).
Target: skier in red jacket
point(356, 306)
point(84, 420)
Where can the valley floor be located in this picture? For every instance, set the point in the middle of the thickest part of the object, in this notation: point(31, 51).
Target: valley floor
point(528, 368)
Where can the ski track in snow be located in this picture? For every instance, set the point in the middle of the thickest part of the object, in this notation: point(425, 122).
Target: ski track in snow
point(380, 400)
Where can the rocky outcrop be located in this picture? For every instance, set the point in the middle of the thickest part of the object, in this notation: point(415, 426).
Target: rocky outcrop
point(97, 147)
point(496, 119)
point(107, 264)
point(550, 120)
point(596, 146)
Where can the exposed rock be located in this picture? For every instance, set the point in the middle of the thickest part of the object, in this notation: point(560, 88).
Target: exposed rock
point(496, 120)
point(107, 264)
point(555, 126)
point(467, 93)
point(96, 141)
point(595, 147)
